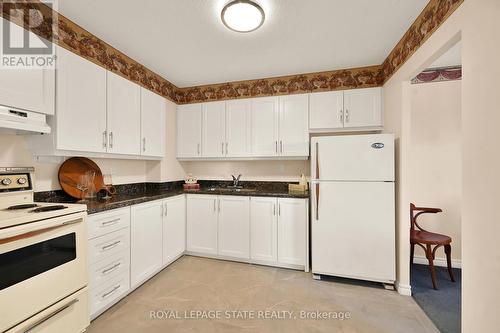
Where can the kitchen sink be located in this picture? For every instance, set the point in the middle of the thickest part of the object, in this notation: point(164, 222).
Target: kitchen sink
point(232, 189)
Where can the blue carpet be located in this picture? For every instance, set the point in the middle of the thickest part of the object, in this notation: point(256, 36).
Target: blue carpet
point(442, 306)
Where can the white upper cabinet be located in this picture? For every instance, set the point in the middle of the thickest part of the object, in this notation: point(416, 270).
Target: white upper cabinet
point(326, 110)
point(80, 103)
point(363, 107)
point(264, 114)
point(28, 89)
point(234, 226)
point(123, 115)
point(346, 110)
point(153, 109)
point(293, 125)
point(189, 121)
point(213, 129)
point(238, 128)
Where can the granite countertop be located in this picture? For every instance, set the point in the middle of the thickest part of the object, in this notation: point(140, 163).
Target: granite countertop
point(133, 194)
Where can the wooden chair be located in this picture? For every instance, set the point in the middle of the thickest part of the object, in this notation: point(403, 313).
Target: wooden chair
point(426, 239)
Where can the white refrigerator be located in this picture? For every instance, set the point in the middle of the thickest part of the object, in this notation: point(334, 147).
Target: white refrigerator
point(353, 208)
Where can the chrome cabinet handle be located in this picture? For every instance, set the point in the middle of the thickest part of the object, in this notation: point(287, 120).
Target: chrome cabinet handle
point(198, 149)
point(222, 148)
point(47, 317)
point(110, 222)
point(226, 149)
point(347, 115)
point(276, 146)
point(111, 140)
point(144, 144)
point(317, 160)
point(111, 269)
point(281, 146)
point(341, 116)
point(317, 201)
point(274, 209)
point(104, 138)
point(112, 291)
point(110, 246)
point(165, 208)
point(219, 204)
point(215, 207)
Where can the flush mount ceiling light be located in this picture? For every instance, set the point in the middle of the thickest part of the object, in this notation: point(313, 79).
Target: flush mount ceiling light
point(242, 15)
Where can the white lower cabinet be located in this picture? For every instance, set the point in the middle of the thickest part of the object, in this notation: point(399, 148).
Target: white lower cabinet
point(174, 228)
point(264, 229)
point(234, 226)
point(292, 231)
point(146, 241)
point(109, 258)
point(201, 223)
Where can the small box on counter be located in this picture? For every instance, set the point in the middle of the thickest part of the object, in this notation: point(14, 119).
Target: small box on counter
point(297, 188)
point(194, 186)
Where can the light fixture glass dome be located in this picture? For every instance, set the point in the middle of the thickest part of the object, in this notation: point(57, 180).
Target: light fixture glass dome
point(242, 15)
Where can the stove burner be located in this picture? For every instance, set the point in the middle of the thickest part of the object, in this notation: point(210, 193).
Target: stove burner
point(24, 206)
point(47, 208)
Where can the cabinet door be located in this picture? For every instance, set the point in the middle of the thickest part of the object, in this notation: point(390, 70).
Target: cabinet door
point(81, 104)
point(213, 130)
point(363, 107)
point(293, 125)
point(326, 110)
point(27, 89)
point(238, 128)
point(124, 115)
point(189, 130)
point(174, 228)
point(145, 241)
point(292, 231)
point(264, 113)
point(264, 229)
point(202, 223)
point(234, 226)
point(153, 109)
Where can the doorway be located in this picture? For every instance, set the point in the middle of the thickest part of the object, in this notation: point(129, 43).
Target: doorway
point(435, 180)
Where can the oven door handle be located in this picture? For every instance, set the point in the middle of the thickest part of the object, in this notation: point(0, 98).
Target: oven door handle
point(32, 233)
point(50, 315)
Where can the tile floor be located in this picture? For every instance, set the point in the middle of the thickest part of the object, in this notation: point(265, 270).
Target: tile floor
point(206, 285)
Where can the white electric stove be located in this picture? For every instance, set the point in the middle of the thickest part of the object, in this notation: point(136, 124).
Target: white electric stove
point(43, 260)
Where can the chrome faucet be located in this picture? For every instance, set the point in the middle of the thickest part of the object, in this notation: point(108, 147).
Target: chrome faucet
point(236, 180)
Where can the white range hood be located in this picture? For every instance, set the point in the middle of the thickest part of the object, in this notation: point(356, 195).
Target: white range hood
point(19, 121)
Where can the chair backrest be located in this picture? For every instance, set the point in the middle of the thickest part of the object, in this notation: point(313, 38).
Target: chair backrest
point(417, 211)
point(412, 216)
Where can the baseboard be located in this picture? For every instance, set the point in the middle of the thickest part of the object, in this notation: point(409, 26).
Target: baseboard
point(403, 289)
point(441, 262)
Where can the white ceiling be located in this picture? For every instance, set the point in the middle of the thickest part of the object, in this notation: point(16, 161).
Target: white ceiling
point(185, 42)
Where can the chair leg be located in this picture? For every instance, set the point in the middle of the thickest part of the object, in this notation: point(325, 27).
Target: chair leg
point(430, 257)
point(412, 251)
point(447, 250)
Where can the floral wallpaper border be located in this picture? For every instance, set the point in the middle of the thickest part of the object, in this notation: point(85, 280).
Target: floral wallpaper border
point(71, 36)
point(452, 73)
point(433, 15)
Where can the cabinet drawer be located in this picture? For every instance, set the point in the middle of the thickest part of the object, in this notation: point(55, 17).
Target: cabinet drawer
point(108, 293)
point(104, 223)
point(109, 268)
point(108, 245)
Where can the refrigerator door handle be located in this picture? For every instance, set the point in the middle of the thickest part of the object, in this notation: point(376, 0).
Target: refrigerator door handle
point(317, 160)
point(317, 201)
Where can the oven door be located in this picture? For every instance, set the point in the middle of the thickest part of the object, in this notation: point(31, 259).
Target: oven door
point(41, 263)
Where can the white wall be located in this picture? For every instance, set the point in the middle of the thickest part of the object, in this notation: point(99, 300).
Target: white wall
point(14, 152)
point(250, 170)
point(476, 23)
point(435, 158)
